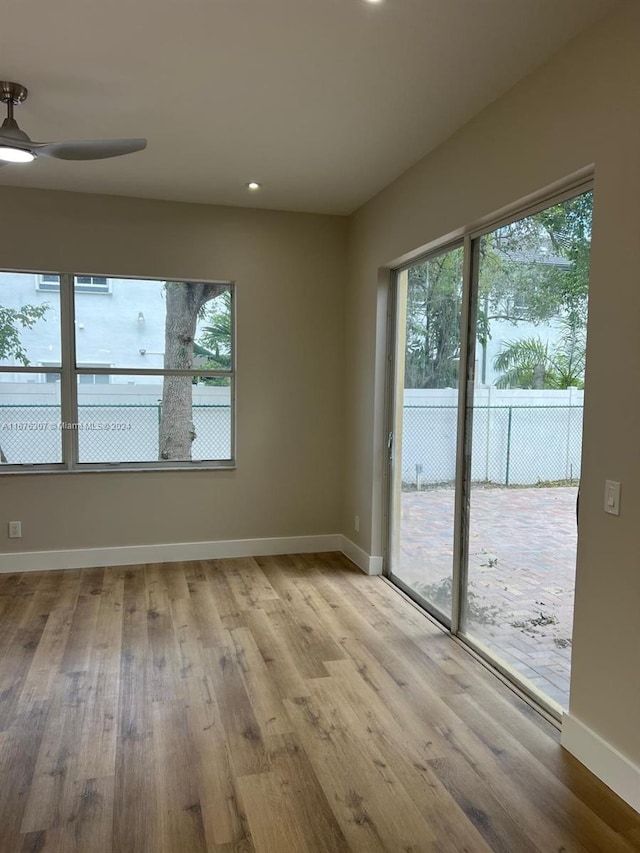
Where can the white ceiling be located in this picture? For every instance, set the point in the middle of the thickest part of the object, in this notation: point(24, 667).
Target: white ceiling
point(324, 101)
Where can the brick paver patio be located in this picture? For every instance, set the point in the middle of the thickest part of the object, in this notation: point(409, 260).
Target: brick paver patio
point(521, 573)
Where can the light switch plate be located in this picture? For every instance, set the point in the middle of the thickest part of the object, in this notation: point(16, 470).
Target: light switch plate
point(612, 497)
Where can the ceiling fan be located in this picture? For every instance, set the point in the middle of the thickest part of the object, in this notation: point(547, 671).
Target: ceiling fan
point(16, 147)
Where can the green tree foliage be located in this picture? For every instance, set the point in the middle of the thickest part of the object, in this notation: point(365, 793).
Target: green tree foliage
point(434, 299)
point(559, 240)
point(216, 335)
point(533, 363)
point(214, 343)
point(12, 320)
point(534, 270)
point(538, 268)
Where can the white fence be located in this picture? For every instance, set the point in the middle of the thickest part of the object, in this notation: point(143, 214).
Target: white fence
point(117, 422)
point(520, 437)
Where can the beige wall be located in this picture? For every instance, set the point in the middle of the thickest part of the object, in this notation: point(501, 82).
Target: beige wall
point(581, 108)
point(289, 270)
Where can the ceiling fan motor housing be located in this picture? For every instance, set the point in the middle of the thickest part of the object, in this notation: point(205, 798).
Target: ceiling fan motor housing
point(12, 93)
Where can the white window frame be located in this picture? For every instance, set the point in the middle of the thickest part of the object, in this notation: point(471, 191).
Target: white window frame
point(69, 373)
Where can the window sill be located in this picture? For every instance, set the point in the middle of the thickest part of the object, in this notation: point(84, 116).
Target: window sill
point(25, 470)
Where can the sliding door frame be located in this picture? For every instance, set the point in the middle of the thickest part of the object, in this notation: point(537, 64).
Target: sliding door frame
point(470, 241)
point(394, 390)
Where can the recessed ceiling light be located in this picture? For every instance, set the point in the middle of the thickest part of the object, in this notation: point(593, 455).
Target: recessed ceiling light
point(374, 1)
point(253, 186)
point(15, 155)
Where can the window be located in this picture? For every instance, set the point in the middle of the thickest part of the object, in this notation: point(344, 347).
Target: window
point(95, 379)
point(84, 283)
point(83, 378)
point(137, 395)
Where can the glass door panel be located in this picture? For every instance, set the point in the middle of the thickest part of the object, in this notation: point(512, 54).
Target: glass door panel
point(532, 288)
point(428, 322)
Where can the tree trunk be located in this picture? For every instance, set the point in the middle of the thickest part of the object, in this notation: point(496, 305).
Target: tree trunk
point(539, 376)
point(184, 302)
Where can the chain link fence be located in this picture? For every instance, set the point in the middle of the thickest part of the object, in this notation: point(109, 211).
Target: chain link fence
point(32, 434)
point(511, 445)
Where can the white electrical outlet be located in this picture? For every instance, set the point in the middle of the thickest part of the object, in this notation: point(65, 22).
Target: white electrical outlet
point(15, 529)
point(356, 523)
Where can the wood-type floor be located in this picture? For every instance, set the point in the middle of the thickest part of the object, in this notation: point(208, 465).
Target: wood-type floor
point(277, 705)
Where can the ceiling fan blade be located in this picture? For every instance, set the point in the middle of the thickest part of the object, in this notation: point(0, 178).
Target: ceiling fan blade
point(90, 149)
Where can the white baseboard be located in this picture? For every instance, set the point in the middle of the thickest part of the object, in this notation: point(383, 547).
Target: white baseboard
point(131, 555)
point(609, 765)
point(86, 558)
point(369, 565)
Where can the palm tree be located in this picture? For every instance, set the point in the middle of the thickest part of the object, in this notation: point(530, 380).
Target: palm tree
point(532, 363)
point(216, 336)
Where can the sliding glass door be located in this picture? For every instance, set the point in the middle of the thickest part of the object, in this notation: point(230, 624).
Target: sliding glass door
point(428, 330)
point(484, 482)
